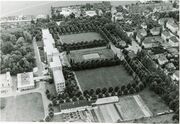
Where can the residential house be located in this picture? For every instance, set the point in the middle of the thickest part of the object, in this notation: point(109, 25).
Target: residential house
point(151, 42)
point(155, 31)
point(144, 25)
point(161, 58)
point(165, 35)
point(139, 38)
point(5, 84)
point(171, 25)
point(175, 76)
point(90, 13)
point(143, 32)
point(173, 41)
point(25, 81)
point(170, 67)
point(162, 21)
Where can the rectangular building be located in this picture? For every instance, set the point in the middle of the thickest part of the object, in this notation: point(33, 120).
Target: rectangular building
point(25, 81)
point(5, 84)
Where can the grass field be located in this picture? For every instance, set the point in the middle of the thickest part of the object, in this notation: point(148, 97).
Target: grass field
point(58, 118)
point(103, 77)
point(79, 55)
point(27, 107)
point(74, 38)
point(153, 101)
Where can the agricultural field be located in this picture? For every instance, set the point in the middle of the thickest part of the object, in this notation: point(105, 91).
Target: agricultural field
point(27, 107)
point(74, 38)
point(103, 77)
point(153, 101)
point(93, 53)
point(132, 107)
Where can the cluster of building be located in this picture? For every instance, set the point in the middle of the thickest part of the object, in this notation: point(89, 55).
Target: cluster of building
point(53, 60)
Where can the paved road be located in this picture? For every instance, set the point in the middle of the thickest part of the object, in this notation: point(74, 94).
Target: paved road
point(38, 58)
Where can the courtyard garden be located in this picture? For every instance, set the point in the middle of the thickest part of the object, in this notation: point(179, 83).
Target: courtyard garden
point(27, 107)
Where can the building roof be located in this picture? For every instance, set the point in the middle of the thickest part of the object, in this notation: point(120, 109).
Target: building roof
point(5, 80)
point(153, 39)
point(56, 62)
point(177, 73)
point(25, 79)
point(166, 33)
point(174, 39)
point(155, 30)
point(58, 76)
point(162, 20)
point(48, 41)
point(173, 51)
point(172, 23)
point(142, 32)
point(91, 13)
point(106, 100)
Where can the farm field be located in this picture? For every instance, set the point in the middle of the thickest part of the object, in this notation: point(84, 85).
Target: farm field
point(131, 107)
point(27, 107)
point(74, 38)
point(93, 53)
point(103, 77)
point(153, 101)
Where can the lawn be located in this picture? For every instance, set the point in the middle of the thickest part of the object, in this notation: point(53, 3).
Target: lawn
point(153, 101)
point(93, 53)
point(58, 118)
point(103, 77)
point(74, 38)
point(27, 107)
point(51, 88)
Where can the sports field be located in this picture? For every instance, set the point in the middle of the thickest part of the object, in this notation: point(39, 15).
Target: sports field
point(74, 38)
point(27, 107)
point(93, 53)
point(103, 77)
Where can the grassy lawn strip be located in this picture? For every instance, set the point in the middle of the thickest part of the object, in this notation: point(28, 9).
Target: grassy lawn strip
point(74, 38)
point(103, 77)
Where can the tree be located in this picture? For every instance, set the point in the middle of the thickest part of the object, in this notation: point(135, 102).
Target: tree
point(47, 119)
point(27, 36)
point(98, 90)
point(132, 90)
point(7, 47)
point(50, 105)
point(110, 89)
point(81, 97)
point(119, 93)
point(123, 87)
point(51, 114)
point(74, 98)
point(104, 90)
point(91, 92)
point(116, 88)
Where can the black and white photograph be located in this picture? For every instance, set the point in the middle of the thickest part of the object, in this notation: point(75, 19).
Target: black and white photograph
point(89, 61)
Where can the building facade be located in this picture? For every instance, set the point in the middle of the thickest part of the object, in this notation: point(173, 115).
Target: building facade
point(5, 84)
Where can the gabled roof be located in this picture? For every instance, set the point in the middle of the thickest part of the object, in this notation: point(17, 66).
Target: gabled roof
point(174, 39)
point(166, 33)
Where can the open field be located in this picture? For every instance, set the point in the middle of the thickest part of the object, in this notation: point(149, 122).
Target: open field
point(74, 38)
point(100, 52)
point(103, 77)
point(153, 101)
point(58, 118)
point(27, 107)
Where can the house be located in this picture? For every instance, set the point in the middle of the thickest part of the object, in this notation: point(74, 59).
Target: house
point(155, 31)
point(144, 25)
point(25, 81)
point(173, 51)
point(139, 38)
point(119, 16)
point(150, 42)
point(171, 25)
point(170, 67)
point(173, 41)
point(90, 13)
point(165, 35)
point(162, 21)
point(175, 76)
point(5, 84)
point(161, 58)
point(143, 32)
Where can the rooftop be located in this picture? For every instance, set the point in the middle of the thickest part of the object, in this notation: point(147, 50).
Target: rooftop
point(166, 33)
point(58, 76)
point(5, 80)
point(25, 79)
point(174, 39)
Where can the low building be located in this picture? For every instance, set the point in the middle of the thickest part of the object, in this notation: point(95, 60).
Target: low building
point(155, 31)
point(118, 16)
point(91, 13)
point(5, 84)
point(165, 35)
point(107, 100)
point(143, 32)
point(173, 41)
point(170, 67)
point(161, 58)
point(144, 25)
point(139, 38)
point(175, 76)
point(162, 21)
point(25, 81)
point(171, 25)
point(151, 42)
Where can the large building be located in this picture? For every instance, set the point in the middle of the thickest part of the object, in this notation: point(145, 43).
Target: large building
point(5, 84)
point(53, 60)
point(25, 81)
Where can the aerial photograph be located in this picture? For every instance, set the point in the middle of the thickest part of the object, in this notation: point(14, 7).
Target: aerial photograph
point(89, 61)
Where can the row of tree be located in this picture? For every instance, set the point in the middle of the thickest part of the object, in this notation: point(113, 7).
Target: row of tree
point(95, 63)
point(83, 45)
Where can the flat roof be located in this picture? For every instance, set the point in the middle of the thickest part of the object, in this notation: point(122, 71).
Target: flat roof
point(58, 76)
point(25, 79)
point(5, 80)
point(107, 100)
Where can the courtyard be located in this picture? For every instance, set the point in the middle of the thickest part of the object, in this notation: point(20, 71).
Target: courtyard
point(28, 107)
point(74, 38)
point(103, 77)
